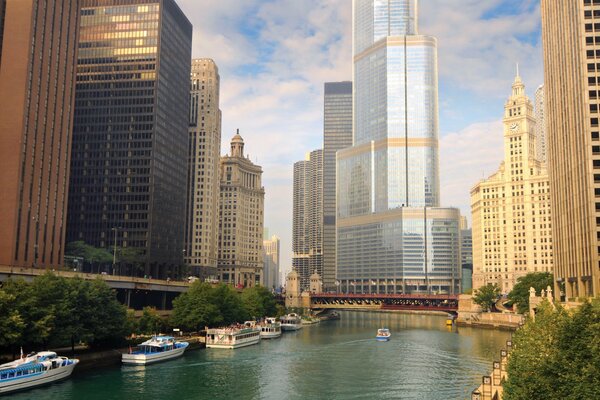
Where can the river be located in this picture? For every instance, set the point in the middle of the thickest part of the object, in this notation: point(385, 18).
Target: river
point(424, 360)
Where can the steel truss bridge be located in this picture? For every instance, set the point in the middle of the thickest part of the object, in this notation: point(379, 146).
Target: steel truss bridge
point(408, 302)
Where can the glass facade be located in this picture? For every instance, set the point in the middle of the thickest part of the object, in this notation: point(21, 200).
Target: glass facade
point(128, 164)
point(337, 135)
point(393, 165)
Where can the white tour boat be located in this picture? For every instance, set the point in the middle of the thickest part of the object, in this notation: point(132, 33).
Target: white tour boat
point(270, 329)
point(34, 370)
point(158, 348)
point(291, 322)
point(233, 337)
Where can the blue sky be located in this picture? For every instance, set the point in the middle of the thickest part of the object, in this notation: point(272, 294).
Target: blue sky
point(275, 55)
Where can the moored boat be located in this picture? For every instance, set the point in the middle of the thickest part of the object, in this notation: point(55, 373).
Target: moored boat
point(291, 322)
point(34, 370)
point(158, 348)
point(270, 329)
point(233, 337)
point(383, 335)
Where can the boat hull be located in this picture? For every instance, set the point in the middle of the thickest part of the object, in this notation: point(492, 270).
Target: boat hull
point(44, 378)
point(233, 346)
point(270, 335)
point(145, 359)
point(382, 338)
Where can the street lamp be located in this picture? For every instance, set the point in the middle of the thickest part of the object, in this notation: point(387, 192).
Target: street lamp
point(115, 229)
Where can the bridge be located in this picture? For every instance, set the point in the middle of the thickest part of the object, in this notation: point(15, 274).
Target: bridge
point(134, 292)
point(406, 302)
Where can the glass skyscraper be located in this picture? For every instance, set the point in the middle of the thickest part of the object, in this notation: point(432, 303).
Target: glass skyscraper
point(391, 234)
point(130, 136)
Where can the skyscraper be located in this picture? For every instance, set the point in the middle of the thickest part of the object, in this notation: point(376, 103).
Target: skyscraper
point(337, 135)
point(511, 209)
point(271, 270)
point(540, 126)
point(307, 237)
point(37, 78)
point(571, 82)
point(129, 160)
point(392, 237)
point(241, 218)
point(202, 211)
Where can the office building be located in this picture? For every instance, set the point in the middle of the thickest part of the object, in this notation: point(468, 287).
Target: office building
point(337, 135)
point(271, 256)
point(307, 235)
point(571, 81)
point(392, 235)
point(541, 148)
point(37, 82)
point(130, 138)
point(241, 219)
point(466, 255)
point(202, 210)
point(512, 224)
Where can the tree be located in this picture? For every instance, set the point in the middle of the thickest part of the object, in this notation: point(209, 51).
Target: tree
point(557, 355)
point(519, 295)
point(11, 322)
point(91, 254)
point(486, 296)
point(259, 302)
point(229, 303)
point(150, 322)
point(196, 308)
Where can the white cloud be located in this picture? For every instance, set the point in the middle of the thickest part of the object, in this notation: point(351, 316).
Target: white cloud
point(275, 55)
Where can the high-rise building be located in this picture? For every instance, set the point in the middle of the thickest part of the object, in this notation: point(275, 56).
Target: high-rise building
point(37, 82)
point(271, 269)
point(307, 235)
point(202, 210)
point(540, 126)
point(129, 159)
point(571, 81)
point(466, 256)
point(241, 218)
point(512, 221)
point(337, 135)
point(391, 234)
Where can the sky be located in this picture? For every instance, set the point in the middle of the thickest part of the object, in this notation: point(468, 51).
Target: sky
point(275, 55)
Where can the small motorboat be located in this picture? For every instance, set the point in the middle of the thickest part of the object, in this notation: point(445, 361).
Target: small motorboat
point(383, 335)
point(158, 348)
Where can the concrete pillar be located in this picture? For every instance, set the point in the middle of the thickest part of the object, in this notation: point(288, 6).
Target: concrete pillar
point(128, 298)
point(163, 301)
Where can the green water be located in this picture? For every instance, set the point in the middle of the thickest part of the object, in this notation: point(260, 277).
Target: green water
point(332, 360)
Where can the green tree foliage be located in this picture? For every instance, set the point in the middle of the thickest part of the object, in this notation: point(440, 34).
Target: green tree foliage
point(150, 322)
point(556, 356)
point(59, 311)
point(11, 322)
point(92, 255)
point(520, 293)
point(259, 302)
point(486, 296)
point(195, 309)
point(204, 305)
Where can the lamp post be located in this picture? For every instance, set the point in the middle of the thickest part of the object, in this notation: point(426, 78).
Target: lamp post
point(115, 229)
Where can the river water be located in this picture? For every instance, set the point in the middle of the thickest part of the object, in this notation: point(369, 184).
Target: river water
point(341, 359)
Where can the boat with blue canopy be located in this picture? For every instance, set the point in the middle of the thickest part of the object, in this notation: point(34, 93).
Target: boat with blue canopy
point(34, 370)
point(158, 348)
point(383, 335)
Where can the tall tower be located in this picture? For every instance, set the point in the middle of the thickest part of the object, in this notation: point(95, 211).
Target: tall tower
point(241, 218)
point(202, 210)
point(271, 270)
point(307, 240)
point(540, 126)
point(37, 82)
point(391, 235)
point(337, 135)
point(511, 209)
point(130, 137)
point(572, 103)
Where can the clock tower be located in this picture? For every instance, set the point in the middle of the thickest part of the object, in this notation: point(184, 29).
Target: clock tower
point(519, 128)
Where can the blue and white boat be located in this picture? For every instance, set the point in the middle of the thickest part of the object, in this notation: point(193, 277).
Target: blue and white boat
point(158, 348)
point(34, 370)
point(383, 335)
